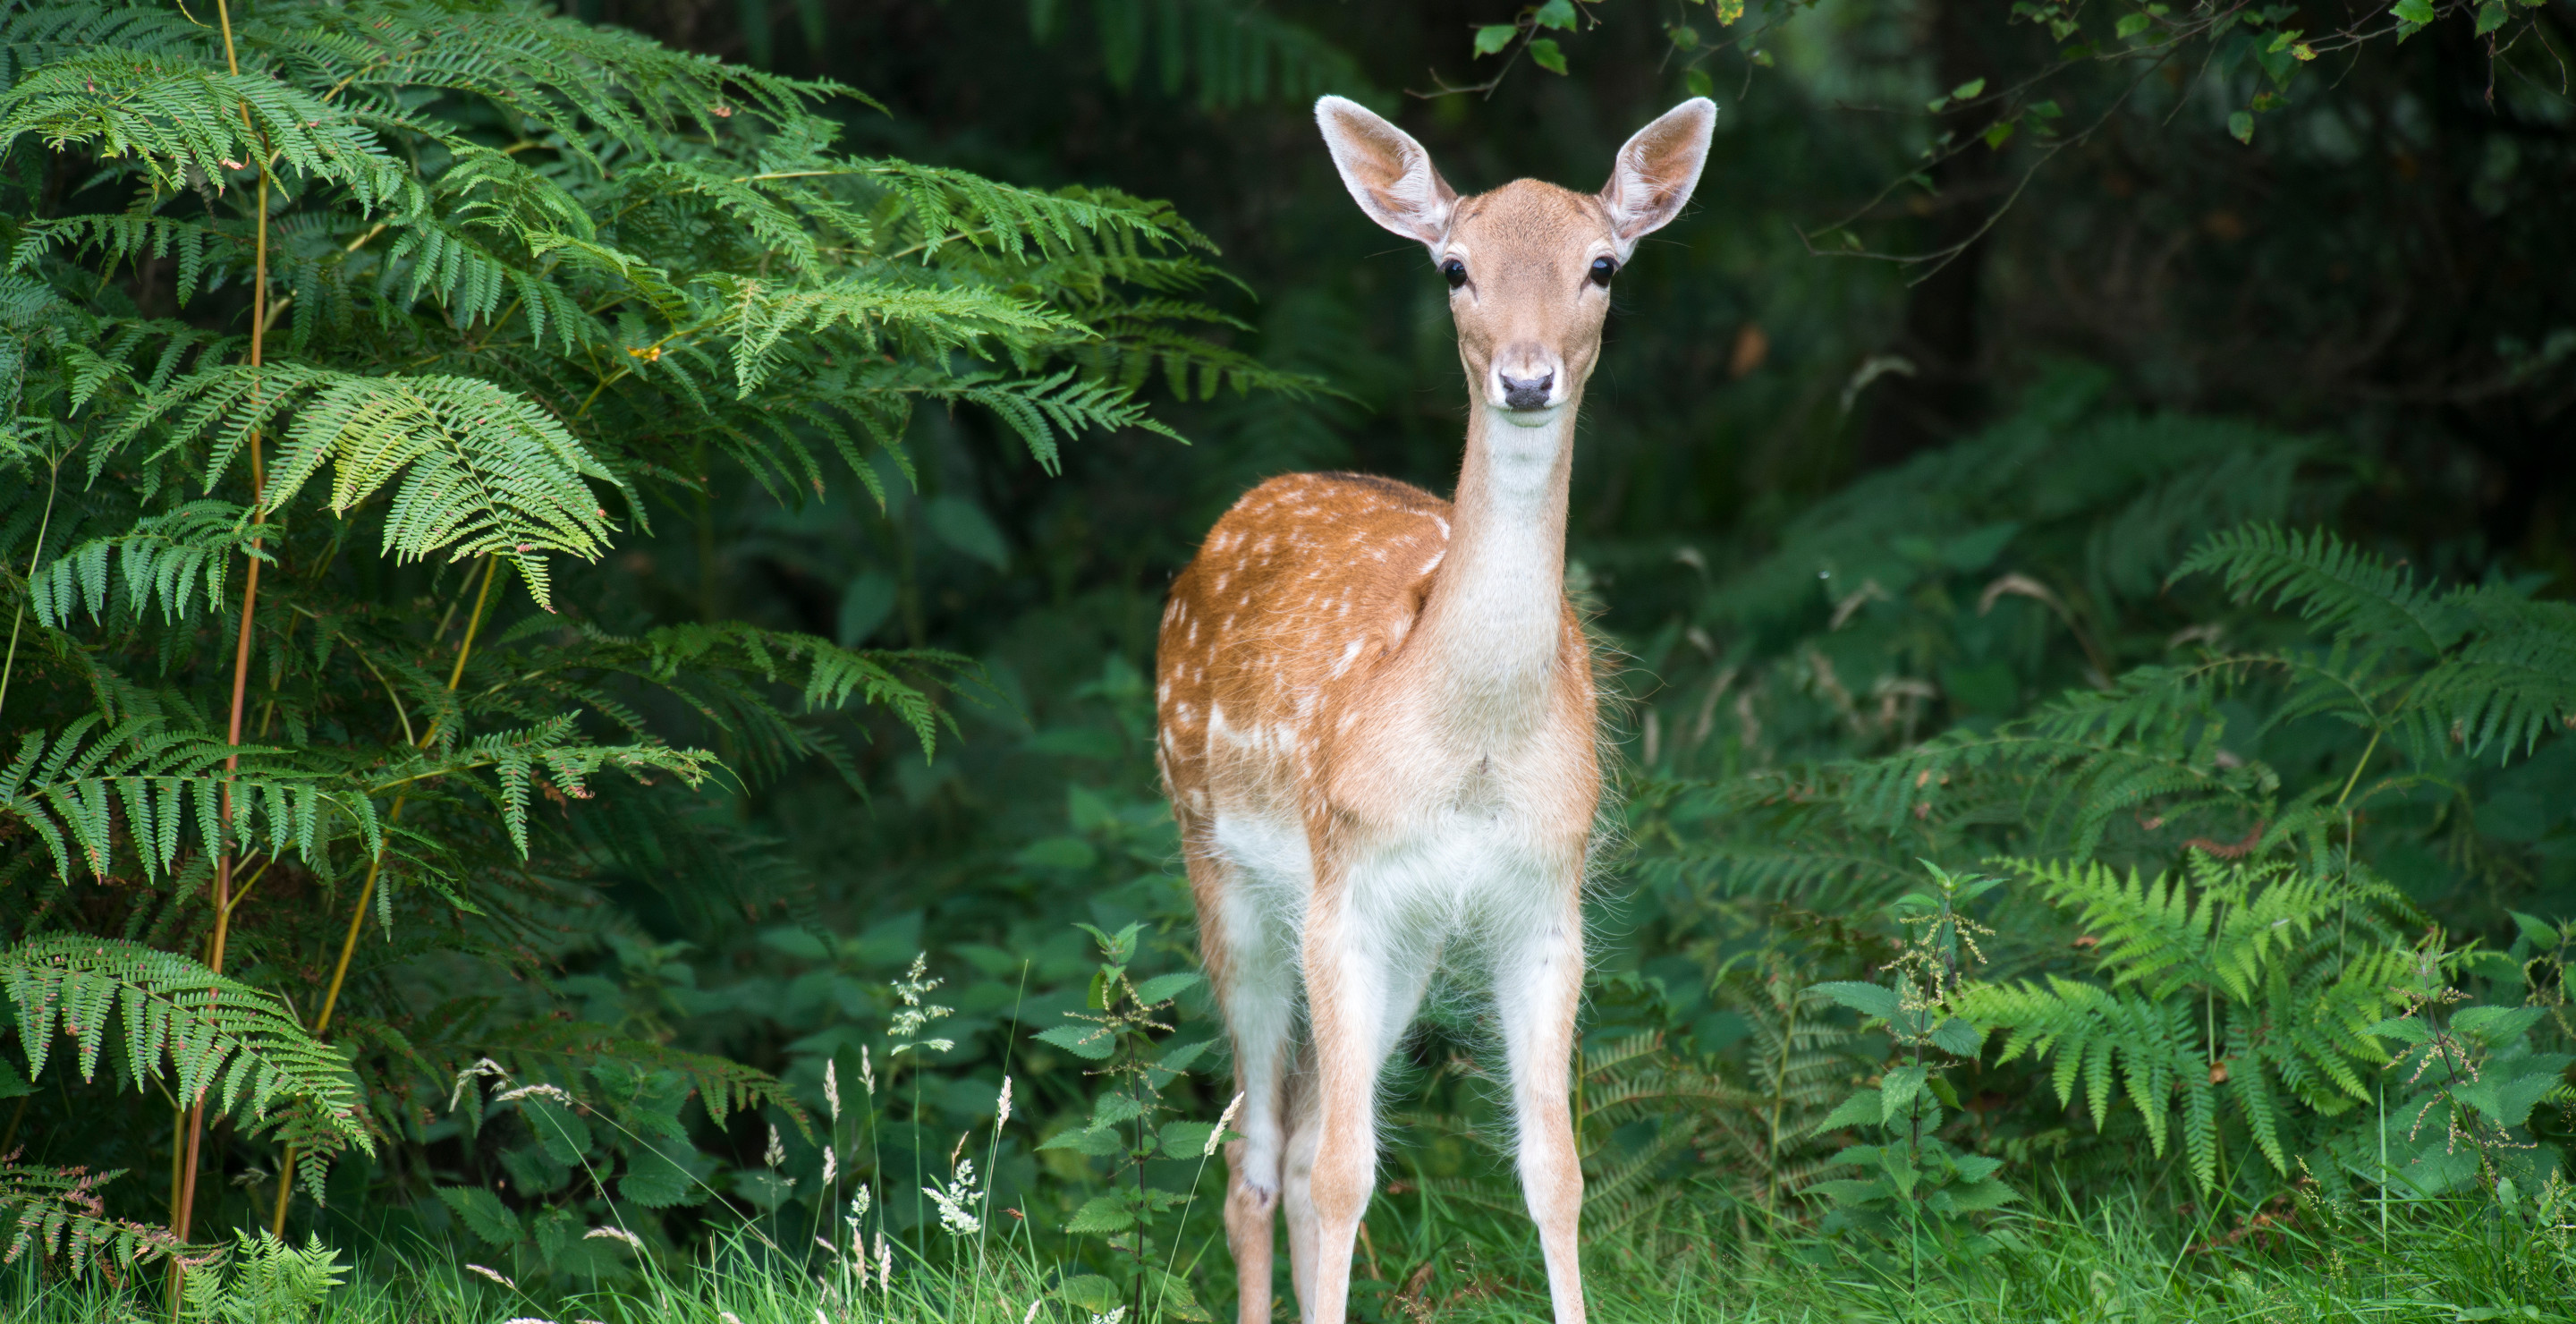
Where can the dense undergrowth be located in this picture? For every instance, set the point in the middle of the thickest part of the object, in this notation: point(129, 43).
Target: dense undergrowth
point(2086, 871)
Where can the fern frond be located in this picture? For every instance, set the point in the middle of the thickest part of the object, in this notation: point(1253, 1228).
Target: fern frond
point(166, 559)
point(474, 470)
point(58, 1211)
point(217, 1035)
point(69, 790)
point(184, 118)
point(2355, 596)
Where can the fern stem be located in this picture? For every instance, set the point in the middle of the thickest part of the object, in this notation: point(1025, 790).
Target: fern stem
point(2355, 778)
point(53, 483)
point(241, 645)
point(367, 890)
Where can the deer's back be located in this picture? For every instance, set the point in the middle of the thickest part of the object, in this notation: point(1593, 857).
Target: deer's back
point(1308, 583)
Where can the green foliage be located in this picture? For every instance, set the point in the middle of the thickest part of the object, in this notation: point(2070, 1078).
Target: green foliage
point(57, 1211)
point(263, 1280)
point(2250, 988)
point(1119, 1030)
point(1911, 1182)
point(533, 289)
point(224, 1042)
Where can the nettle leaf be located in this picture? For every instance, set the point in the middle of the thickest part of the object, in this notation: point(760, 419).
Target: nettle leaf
point(1103, 1214)
point(1097, 1142)
point(2405, 1029)
point(1163, 988)
point(655, 1180)
point(1958, 1038)
point(1867, 999)
point(1090, 1292)
point(483, 1214)
point(1186, 1140)
point(2495, 1025)
point(1897, 1089)
point(1861, 1109)
point(1092, 1042)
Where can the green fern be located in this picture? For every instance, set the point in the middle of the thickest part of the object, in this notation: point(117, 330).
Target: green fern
point(69, 790)
point(223, 1041)
point(2248, 987)
point(58, 1211)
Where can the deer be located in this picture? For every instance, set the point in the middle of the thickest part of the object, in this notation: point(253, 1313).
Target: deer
point(1378, 723)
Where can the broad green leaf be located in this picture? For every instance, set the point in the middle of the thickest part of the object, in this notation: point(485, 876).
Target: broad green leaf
point(1089, 1291)
point(1544, 51)
point(2495, 1025)
point(1861, 1109)
point(2130, 25)
point(483, 1214)
point(1969, 90)
point(1103, 1214)
point(1958, 1038)
point(1094, 1042)
point(965, 527)
point(1557, 14)
point(1098, 1142)
point(1896, 1091)
point(2240, 126)
point(1867, 999)
point(1494, 36)
point(1163, 988)
point(1697, 82)
point(2417, 12)
point(1186, 1140)
point(2405, 1029)
point(657, 1182)
point(1726, 11)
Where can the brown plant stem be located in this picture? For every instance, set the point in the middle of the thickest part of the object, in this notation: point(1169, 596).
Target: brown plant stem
point(182, 1224)
point(367, 890)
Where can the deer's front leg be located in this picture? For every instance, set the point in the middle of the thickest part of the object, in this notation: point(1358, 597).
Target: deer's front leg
point(1348, 989)
point(1540, 982)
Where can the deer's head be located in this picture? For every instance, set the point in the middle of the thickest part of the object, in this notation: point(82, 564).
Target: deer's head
point(1529, 265)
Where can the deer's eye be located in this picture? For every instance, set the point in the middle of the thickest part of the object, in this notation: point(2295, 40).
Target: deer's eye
point(1455, 271)
point(1602, 270)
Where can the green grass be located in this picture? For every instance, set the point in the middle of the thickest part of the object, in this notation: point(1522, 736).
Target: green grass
point(2437, 1263)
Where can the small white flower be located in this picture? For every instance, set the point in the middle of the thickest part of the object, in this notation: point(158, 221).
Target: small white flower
point(1031, 1317)
point(1224, 1120)
point(832, 1087)
point(615, 1234)
point(818, 1316)
point(885, 1262)
point(1003, 1105)
point(956, 1202)
point(867, 1073)
point(527, 1319)
point(729, 1317)
point(859, 1205)
point(831, 1165)
point(776, 1153)
point(495, 1275)
point(1112, 1317)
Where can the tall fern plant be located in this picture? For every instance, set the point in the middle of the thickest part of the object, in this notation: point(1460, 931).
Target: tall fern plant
point(2224, 856)
point(330, 335)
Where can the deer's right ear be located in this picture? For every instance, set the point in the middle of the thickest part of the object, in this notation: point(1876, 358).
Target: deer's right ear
point(1387, 172)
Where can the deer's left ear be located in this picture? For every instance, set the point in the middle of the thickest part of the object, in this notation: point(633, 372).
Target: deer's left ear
point(1657, 170)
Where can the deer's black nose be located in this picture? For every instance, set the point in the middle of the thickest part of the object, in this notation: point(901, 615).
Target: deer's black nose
point(1527, 392)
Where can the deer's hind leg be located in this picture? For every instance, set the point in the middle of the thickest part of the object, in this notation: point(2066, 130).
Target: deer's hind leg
point(1250, 957)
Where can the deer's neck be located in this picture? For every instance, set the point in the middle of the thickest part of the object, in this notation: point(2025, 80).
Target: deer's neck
point(1492, 628)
